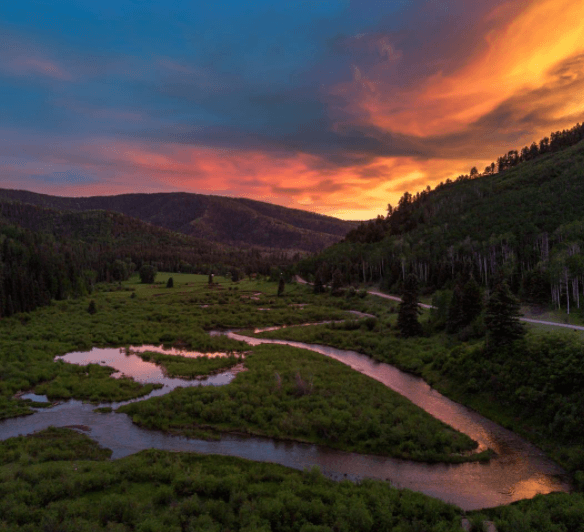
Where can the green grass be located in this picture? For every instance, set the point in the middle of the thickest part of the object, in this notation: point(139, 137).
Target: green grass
point(50, 445)
point(92, 383)
point(378, 340)
point(532, 388)
point(556, 512)
point(14, 408)
point(179, 316)
point(289, 393)
point(576, 316)
point(147, 491)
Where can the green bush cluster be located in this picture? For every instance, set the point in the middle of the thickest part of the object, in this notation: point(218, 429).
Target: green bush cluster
point(92, 383)
point(155, 490)
point(50, 445)
point(538, 381)
point(30, 341)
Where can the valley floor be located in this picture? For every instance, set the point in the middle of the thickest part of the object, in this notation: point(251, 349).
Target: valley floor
point(300, 395)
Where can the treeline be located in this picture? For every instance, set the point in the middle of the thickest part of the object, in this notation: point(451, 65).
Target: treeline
point(557, 141)
point(400, 219)
point(47, 254)
point(525, 224)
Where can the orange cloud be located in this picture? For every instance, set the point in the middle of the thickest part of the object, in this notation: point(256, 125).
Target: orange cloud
point(519, 56)
point(355, 192)
point(526, 80)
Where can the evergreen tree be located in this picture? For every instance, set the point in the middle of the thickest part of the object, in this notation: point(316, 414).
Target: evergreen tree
point(465, 305)
point(407, 320)
point(318, 284)
point(472, 300)
point(502, 317)
point(456, 317)
point(337, 282)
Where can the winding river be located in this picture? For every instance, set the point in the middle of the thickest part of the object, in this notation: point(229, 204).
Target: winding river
point(520, 470)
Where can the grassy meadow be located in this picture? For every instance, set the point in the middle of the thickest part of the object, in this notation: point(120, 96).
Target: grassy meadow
point(290, 393)
point(285, 393)
point(60, 480)
point(533, 387)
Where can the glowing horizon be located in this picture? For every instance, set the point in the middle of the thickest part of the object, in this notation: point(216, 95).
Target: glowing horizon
point(337, 107)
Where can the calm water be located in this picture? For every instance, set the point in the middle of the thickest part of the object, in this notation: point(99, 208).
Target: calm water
point(130, 365)
point(519, 471)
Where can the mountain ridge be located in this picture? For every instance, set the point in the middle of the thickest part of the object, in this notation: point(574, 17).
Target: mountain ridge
point(231, 221)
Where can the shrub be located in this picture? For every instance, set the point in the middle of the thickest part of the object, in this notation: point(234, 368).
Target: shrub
point(147, 274)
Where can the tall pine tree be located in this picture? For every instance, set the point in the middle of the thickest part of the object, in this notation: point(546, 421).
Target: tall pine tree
point(407, 320)
point(502, 317)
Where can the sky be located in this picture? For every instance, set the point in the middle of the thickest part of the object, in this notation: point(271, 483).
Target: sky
point(332, 106)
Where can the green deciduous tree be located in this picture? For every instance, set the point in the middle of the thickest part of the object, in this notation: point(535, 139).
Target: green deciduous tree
point(147, 274)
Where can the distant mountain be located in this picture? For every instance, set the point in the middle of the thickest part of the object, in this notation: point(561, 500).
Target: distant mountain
point(110, 235)
point(232, 221)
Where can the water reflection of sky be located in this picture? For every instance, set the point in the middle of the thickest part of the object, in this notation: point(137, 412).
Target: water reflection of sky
point(519, 470)
point(128, 364)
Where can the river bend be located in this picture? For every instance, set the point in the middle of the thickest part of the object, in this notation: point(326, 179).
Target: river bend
point(520, 470)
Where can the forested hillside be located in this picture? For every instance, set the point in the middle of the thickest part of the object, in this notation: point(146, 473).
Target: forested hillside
point(525, 223)
point(47, 254)
point(231, 221)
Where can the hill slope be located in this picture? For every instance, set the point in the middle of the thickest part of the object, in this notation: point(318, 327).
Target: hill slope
point(526, 223)
point(48, 254)
point(233, 221)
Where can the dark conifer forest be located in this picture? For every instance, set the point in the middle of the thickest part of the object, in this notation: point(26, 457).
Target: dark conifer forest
point(47, 254)
point(524, 223)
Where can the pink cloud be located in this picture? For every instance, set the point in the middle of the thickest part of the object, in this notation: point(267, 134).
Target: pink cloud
point(44, 67)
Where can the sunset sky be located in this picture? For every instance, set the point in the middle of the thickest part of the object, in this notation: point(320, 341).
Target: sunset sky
point(337, 107)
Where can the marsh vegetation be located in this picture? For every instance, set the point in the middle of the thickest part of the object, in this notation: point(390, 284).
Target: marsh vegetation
point(285, 393)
